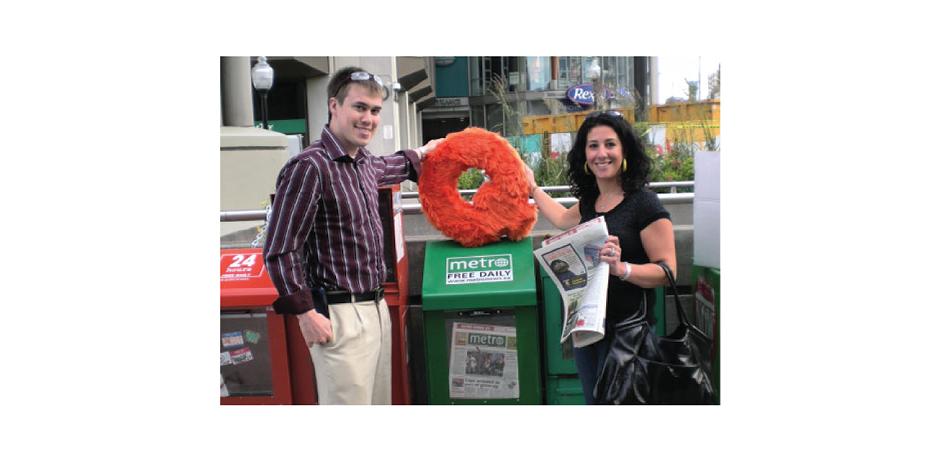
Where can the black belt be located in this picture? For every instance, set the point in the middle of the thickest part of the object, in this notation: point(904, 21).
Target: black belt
point(334, 297)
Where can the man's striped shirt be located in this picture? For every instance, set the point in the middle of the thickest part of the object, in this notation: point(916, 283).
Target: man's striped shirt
point(325, 228)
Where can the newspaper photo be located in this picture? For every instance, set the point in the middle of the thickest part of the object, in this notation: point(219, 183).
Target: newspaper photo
point(572, 260)
point(483, 361)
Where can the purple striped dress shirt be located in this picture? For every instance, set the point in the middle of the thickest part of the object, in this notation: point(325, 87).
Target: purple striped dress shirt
point(325, 228)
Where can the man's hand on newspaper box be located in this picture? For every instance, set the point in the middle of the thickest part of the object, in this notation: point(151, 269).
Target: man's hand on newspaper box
point(610, 253)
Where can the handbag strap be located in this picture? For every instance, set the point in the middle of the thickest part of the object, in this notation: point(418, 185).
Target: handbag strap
point(675, 292)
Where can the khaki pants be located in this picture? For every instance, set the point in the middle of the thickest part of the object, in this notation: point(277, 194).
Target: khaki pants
point(356, 367)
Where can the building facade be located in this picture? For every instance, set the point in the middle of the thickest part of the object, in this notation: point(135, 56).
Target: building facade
point(251, 157)
point(493, 92)
point(297, 101)
point(425, 98)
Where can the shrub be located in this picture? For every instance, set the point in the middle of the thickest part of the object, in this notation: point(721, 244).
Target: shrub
point(472, 178)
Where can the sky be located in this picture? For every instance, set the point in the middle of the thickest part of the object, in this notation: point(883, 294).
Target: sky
point(674, 70)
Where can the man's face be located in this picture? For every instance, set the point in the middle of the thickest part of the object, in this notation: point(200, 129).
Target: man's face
point(355, 120)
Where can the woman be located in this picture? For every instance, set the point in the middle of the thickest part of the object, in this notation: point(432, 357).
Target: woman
point(608, 171)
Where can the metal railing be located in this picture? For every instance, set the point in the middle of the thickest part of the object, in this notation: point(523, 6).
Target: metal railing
point(672, 185)
point(243, 215)
point(415, 208)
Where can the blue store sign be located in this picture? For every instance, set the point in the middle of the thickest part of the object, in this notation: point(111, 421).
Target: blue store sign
point(583, 94)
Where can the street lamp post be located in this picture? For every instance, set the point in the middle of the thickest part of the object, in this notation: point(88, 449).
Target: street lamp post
point(595, 73)
point(262, 78)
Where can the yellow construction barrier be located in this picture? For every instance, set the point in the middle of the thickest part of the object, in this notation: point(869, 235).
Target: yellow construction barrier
point(691, 131)
point(686, 112)
point(563, 123)
point(684, 122)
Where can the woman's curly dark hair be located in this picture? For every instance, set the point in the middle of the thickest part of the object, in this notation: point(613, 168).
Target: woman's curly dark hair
point(584, 185)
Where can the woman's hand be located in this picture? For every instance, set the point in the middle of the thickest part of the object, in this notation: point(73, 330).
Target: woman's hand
point(610, 253)
point(530, 178)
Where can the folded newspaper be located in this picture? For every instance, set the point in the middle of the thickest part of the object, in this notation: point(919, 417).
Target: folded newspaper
point(573, 261)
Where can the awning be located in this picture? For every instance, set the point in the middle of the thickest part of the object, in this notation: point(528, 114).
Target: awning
point(298, 67)
point(411, 71)
point(413, 75)
point(424, 103)
point(422, 92)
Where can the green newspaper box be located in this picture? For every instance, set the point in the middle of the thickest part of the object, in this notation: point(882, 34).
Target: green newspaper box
point(706, 315)
point(562, 386)
point(481, 324)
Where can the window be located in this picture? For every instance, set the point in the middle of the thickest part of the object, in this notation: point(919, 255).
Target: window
point(563, 82)
point(623, 73)
point(496, 69)
point(476, 116)
point(476, 76)
point(245, 354)
point(514, 71)
point(574, 70)
point(494, 118)
point(586, 68)
point(539, 70)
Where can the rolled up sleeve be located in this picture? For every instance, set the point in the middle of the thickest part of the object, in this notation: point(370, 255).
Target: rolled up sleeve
point(292, 214)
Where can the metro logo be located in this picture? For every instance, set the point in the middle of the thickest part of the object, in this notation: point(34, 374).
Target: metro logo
point(478, 262)
point(487, 340)
point(479, 269)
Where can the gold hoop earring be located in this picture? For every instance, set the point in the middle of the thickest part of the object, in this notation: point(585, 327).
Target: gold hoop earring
point(586, 171)
point(624, 165)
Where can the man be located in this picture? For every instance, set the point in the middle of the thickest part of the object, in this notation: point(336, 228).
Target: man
point(324, 243)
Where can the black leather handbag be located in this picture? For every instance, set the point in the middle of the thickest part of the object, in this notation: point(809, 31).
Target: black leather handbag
point(643, 368)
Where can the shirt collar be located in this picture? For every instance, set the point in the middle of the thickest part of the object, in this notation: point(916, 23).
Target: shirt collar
point(334, 150)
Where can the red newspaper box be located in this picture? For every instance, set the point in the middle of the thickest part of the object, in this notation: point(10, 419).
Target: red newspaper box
point(254, 358)
point(303, 380)
point(246, 286)
point(396, 289)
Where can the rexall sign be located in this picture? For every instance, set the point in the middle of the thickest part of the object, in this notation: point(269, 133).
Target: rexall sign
point(583, 94)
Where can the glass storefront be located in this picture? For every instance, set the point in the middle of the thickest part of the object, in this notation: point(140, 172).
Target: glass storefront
point(494, 118)
point(539, 72)
point(476, 116)
point(534, 73)
point(529, 86)
point(245, 354)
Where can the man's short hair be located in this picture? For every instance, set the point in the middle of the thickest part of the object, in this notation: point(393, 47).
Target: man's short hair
point(339, 84)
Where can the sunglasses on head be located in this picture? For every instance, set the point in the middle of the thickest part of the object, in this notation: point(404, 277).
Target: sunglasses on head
point(359, 76)
point(611, 113)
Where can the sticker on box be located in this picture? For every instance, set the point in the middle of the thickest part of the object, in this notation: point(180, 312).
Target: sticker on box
point(233, 339)
point(241, 356)
point(223, 389)
point(252, 336)
point(226, 359)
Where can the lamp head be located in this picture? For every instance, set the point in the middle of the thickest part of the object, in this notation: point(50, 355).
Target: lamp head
point(262, 75)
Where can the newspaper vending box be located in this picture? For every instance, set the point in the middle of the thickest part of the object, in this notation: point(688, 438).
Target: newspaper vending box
point(562, 386)
point(396, 289)
point(481, 324)
point(705, 315)
point(253, 348)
